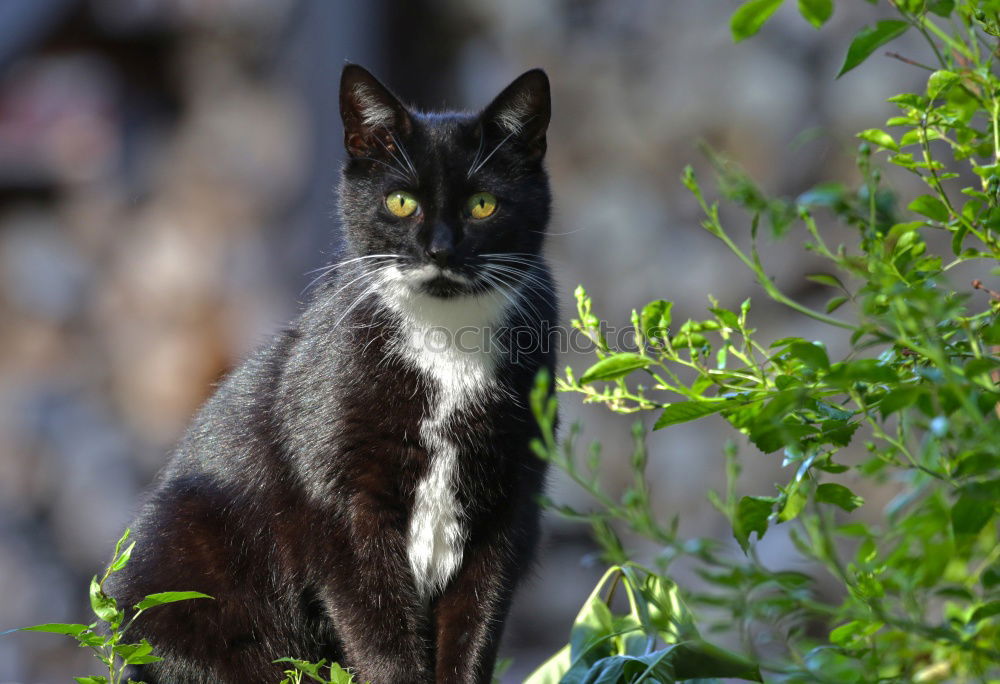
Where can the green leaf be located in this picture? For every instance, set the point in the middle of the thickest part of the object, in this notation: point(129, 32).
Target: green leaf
point(594, 631)
point(794, 503)
point(957, 237)
point(826, 279)
point(666, 611)
point(727, 317)
point(121, 540)
point(931, 207)
point(122, 560)
point(869, 39)
point(861, 370)
point(169, 597)
point(835, 303)
point(694, 659)
point(699, 659)
point(683, 411)
point(91, 680)
point(838, 495)
point(970, 514)
point(816, 12)
point(136, 654)
point(614, 367)
point(942, 8)
point(750, 16)
point(752, 513)
point(905, 100)
point(845, 632)
point(830, 195)
point(898, 399)
point(880, 138)
point(655, 319)
point(57, 628)
point(339, 675)
point(984, 611)
point(854, 629)
point(940, 81)
point(811, 354)
point(103, 605)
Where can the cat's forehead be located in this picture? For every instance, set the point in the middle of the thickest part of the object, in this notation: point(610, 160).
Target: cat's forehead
point(441, 129)
point(443, 145)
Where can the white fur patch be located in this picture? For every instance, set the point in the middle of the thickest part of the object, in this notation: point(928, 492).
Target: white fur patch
point(373, 113)
point(512, 117)
point(462, 373)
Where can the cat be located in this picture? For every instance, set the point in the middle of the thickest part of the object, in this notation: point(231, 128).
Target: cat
point(362, 489)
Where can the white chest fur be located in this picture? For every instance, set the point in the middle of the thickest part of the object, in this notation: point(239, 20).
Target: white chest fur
point(448, 342)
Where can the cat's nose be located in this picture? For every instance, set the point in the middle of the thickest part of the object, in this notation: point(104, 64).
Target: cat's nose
point(441, 246)
point(440, 255)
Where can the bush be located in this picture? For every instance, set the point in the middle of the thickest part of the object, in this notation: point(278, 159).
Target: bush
point(919, 590)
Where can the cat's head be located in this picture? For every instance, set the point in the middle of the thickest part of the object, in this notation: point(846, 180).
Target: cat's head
point(445, 203)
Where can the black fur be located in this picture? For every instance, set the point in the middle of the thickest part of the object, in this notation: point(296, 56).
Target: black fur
point(289, 498)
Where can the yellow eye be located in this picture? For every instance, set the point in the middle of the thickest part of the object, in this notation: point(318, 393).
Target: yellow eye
point(401, 204)
point(482, 205)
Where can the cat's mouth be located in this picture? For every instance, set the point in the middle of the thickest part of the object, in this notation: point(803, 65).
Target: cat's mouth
point(436, 281)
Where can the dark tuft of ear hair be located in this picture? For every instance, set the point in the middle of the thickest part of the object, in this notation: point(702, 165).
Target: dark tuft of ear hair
point(522, 112)
point(370, 113)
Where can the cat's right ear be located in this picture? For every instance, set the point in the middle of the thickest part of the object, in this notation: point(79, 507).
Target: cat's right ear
point(371, 114)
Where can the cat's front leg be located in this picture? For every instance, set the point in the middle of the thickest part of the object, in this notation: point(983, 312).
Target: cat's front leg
point(469, 615)
point(371, 601)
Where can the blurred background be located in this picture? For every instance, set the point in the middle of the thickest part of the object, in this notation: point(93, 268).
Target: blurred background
point(167, 174)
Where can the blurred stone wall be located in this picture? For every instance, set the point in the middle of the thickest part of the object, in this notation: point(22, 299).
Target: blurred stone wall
point(166, 175)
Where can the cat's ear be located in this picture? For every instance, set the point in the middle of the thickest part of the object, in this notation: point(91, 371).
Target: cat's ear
point(522, 112)
point(371, 114)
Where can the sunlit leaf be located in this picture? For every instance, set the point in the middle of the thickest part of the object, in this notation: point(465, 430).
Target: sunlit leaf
point(869, 39)
point(169, 597)
point(614, 367)
point(816, 12)
point(750, 16)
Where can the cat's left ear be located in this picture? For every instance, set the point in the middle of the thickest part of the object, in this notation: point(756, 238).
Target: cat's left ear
point(522, 111)
point(371, 114)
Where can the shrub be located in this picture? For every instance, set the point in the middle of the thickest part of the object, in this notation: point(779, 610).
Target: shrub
point(919, 589)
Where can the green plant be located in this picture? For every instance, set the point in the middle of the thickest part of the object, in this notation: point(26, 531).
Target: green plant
point(301, 668)
point(105, 637)
point(604, 647)
point(919, 582)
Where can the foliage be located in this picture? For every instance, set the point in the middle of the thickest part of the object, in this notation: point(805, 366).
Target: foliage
point(301, 668)
point(607, 648)
point(910, 409)
point(105, 637)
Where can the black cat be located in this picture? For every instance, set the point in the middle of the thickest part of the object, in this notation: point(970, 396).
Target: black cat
point(362, 489)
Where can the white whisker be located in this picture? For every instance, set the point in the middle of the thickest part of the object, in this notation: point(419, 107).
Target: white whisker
point(529, 277)
point(402, 170)
point(479, 152)
point(327, 269)
point(406, 157)
point(494, 151)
